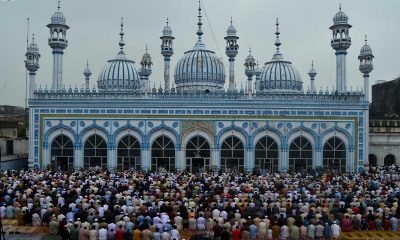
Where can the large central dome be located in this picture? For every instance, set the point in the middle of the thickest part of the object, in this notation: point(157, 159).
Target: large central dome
point(280, 76)
point(199, 69)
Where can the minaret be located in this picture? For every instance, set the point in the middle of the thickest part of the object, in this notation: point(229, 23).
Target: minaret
point(249, 64)
point(366, 66)
point(32, 64)
point(58, 42)
point(312, 73)
point(231, 51)
point(87, 73)
point(258, 71)
point(145, 71)
point(167, 51)
point(340, 43)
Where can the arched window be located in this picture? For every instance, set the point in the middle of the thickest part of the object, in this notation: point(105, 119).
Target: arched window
point(163, 154)
point(300, 155)
point(232, 154)
point(62, 153)
point(334, 156)
point(128, 153)
point(372, 160)
point(95, 152)
point(389, 160)
point(266, 155)
point(198, 153)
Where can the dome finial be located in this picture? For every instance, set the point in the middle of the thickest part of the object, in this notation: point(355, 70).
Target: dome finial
point(167, 21)
point(58, 7)
point(277, 41)
point(146, 48)
point(340, 7)
point(231, 21)
point(365, 39)
point(199, 31)
point(121, 34)
point(33, 37)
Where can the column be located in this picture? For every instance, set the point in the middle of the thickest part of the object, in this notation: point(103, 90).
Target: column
point(249, 160)
point(179, 160)
point(283, 164)
point(78, 156)
point(350, 164)
point(216, 162)
point(111, 161)
point(167, 86)
point(31, 157)
point(46, 155)
point(318, 158)
point(145, 157)
point(231, 74)
point(341, 71)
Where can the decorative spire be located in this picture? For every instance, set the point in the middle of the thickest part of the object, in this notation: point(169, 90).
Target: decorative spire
point(58, 7)
point(340, 7)
point(231, 21)
point(167, 22)
point(33, 37)
point(121, 34)
point(365, 39)
point(277, 41)
point(199, 31)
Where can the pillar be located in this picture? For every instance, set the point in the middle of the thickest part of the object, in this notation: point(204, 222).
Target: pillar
point(341, 71)
point(78, 156)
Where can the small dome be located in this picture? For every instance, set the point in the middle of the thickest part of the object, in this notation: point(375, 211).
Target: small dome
point(58, 18)
point(258, 71)
point(119, 74)
point(366, 49)
point(340, 17)
point(87, 71)
point(250, 59)
point(167, 32)
point(146, 58)
point(33, 48)
point(231, 31)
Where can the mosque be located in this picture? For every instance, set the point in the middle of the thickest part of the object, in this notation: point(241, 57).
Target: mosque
point(194, 123)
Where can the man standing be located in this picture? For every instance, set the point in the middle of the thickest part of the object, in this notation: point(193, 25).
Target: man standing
point(335, 228)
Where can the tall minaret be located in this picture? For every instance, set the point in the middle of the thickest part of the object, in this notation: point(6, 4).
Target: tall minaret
point(312, 73)
point(32, 64)
point(340, 43)
point(87, 73)
point(145, 71)
point(231, 51)
point(58, 42)
point(249, 64)
point(167, 51)
point(258, 71)
point(366, 67)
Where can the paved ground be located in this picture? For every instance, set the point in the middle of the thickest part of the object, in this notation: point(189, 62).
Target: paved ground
point(40, 233)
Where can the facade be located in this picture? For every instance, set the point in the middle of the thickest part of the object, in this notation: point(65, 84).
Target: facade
point(196, 124)
point(385, 124)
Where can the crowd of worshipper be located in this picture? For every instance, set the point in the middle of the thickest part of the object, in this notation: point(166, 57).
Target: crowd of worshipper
point(105, 205)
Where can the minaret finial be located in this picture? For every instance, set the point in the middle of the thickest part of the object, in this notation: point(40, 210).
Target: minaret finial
point(277, 41)
point(199, 31)
point(340, 7)
point(167, 21)
point(87, 63)
point(312, 64)
point(33, 37)
point(231, 20)
point(58, 7)
point(121, 34)
point(146, 48)
point(365, 39)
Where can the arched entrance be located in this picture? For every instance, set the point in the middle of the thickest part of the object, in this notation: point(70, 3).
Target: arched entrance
point(300, 155)
point(334, 156)
point(266, 155)
point(232, 155)
point(389, 160)
point(198, 153)
point(95, 153)
point(372, 160)
point(128, 154)
point(163, 154)
point(62, 153)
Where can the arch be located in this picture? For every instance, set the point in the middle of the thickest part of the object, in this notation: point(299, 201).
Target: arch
point(338, 132)
point(302, 131)
point(62, 152)
point(267, 131)
point(334, 155)
point(300, 154)
point(389, 160)
point(128, 152)
point(232, 154)
point(91, 130)
point(163, 153)
point(95, 151)
point(372, 160)
point(230, 131)
point(57, 130)
point(198, 154)
point(189, 135)
point(162, 130)
point(127, 130)
point(266, 154)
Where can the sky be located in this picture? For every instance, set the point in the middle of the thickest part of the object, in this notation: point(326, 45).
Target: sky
point(94, 28)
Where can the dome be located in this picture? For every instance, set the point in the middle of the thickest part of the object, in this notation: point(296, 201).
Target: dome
point(280, 75)
point(340, 17)
point(366, 49)
point(231, 31)
point(119, 74)
point(167, 31)
point(58, 18)
point(199, 69)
